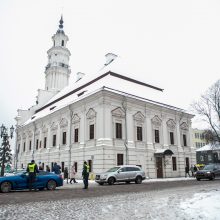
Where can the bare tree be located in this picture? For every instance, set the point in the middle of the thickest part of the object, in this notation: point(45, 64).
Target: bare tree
point(209, 108)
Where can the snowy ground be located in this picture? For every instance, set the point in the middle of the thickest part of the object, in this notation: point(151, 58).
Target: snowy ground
point(193, 203)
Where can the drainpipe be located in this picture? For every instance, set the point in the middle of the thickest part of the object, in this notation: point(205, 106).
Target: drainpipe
point(124, 106)
point(70, 145)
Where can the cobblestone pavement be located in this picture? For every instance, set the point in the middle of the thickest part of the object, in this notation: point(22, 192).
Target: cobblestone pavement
point(121, 201)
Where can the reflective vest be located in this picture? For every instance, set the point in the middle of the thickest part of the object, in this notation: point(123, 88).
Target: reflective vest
point(87, 168)
point(31, 168)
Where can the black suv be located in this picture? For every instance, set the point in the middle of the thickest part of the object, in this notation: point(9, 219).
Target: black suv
point(208, 172)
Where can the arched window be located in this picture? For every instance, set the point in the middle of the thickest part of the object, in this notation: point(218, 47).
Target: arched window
point(62, 44)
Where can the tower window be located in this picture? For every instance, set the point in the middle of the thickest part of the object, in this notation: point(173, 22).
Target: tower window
point(62, 44)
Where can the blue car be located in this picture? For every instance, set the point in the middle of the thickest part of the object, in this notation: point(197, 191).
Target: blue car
point(19, 181)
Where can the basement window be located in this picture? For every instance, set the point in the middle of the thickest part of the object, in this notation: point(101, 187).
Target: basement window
point(81, 93)
point(52, 108)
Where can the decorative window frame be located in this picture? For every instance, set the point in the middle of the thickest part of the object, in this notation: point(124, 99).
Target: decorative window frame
point(118, 116)
point(53, 128)
point(24, 140)
point(139, 120)
point(171, 127)
point(91, 119)
point(63, 128)
point(76, 125)
point(30, 136)
point(156, 123)
point(44, 134)
point(184, 129)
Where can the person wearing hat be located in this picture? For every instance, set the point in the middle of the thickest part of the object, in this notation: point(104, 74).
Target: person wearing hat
point(32, 169)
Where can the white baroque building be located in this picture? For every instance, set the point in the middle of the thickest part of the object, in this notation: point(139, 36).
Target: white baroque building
point(107, 119)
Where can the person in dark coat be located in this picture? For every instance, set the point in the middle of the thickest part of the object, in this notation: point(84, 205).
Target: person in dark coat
point(85, 175)
point(32, 170)
point(187, 171)
point(56, 168)
point(47, 168)
point(66, 174)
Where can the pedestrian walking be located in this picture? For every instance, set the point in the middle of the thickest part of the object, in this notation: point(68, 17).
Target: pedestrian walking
point(73, 174)
point(85, 175)
point(187, 171)
point(47, 168)
point(66, 174)
point(192, 170)
point(56, 168)
point(32, 169)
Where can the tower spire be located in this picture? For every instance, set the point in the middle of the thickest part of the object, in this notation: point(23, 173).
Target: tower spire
point(61, 22)
point(60, 30)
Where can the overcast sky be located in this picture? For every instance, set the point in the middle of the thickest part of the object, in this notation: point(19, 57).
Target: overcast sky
point(173, 44)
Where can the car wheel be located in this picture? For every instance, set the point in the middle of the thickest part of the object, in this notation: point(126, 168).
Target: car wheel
point(5, 187)
point(51, 185)
point(111, 180)
point(101, 184)
point(198, 179)
point(138, 180)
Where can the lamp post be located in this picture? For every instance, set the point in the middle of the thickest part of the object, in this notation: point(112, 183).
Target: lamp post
point(5, 149)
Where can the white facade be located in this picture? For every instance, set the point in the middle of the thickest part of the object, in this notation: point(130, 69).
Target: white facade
point(98, 120)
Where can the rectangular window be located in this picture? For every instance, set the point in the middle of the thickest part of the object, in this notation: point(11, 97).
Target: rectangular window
point(62, 166)
point(139, 133)
point(120, 159)
point(157, 136)
point(201, 158)
point(184, 140)
point(76, 135)
point(37, 144)
point(209, 157)
point(118, 130)
point(18, 148)
point(171, 138)
point(91, 132)
point(64, 137)
point(30, 145)
point(24, 147)
point(76, 166)
point(40, 144)
point(45, 142)
point(54, 140)
point(174, 163)
point(90, 165)
point(187, 162)
point(51, 166)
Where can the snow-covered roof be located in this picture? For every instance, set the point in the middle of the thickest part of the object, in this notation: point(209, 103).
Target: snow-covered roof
point(111, 78)
point(209, 147)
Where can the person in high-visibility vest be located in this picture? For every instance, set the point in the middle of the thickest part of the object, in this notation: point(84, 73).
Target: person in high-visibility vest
point(85, 174)
point(32, 169)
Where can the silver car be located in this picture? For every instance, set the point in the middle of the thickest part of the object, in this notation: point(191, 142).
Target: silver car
point(125, 173)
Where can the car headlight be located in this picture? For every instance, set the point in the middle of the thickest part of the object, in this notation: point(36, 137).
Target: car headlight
point(208, 172)
point(104, 176)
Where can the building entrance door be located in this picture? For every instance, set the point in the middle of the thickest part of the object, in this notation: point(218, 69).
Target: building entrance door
point(159, 166)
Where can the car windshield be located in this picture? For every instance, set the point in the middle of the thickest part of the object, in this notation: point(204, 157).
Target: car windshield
point(208, 167)
point(113, 169)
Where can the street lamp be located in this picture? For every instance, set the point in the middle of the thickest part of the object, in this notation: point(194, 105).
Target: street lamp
point(4, 149)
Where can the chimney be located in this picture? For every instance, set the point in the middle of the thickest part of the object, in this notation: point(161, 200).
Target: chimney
point(79, 76)
point(109, 58)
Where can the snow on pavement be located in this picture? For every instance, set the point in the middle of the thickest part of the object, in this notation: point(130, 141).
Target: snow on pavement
point(179, 204)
